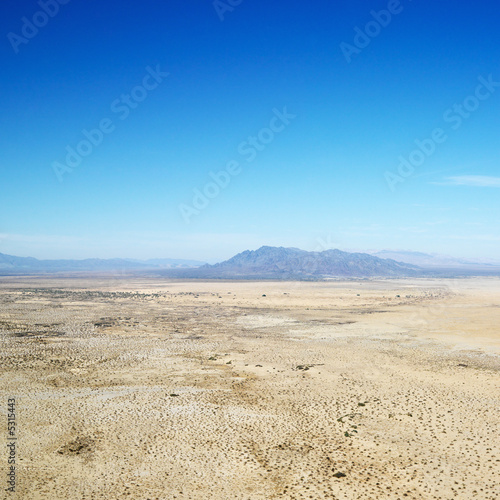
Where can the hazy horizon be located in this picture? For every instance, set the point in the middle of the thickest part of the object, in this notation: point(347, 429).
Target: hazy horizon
point(320, 248)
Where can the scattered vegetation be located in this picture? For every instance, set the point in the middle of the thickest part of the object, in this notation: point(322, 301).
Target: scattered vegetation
point(306, 367)
point(77, 447)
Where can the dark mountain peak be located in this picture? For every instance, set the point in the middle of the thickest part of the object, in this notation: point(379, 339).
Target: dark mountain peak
point(267, 250)
point(283, 262)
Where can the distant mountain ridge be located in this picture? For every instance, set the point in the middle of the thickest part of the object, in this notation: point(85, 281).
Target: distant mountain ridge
point(266, 263)
point(433, 261)
point(13, 264)
point(290, 263)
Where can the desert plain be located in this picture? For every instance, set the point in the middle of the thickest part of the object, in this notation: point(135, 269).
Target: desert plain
point(130, 387)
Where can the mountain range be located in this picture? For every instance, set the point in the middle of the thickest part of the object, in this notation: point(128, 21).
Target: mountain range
point(432, 261)
point(10, 264)
point(293, 263)
point(266, 263)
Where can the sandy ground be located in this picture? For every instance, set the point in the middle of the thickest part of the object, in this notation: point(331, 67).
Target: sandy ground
point(154, 389)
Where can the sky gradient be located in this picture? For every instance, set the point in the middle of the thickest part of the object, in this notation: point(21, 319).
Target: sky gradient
point(209, 128)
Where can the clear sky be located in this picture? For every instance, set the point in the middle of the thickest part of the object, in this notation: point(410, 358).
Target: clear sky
point(200, 129)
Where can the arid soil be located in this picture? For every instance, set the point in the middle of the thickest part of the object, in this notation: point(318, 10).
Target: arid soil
point(130, 388)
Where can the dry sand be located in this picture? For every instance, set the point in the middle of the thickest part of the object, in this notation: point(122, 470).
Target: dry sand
point(155, 389)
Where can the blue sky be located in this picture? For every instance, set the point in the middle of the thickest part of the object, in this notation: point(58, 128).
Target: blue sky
point(305, 114)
